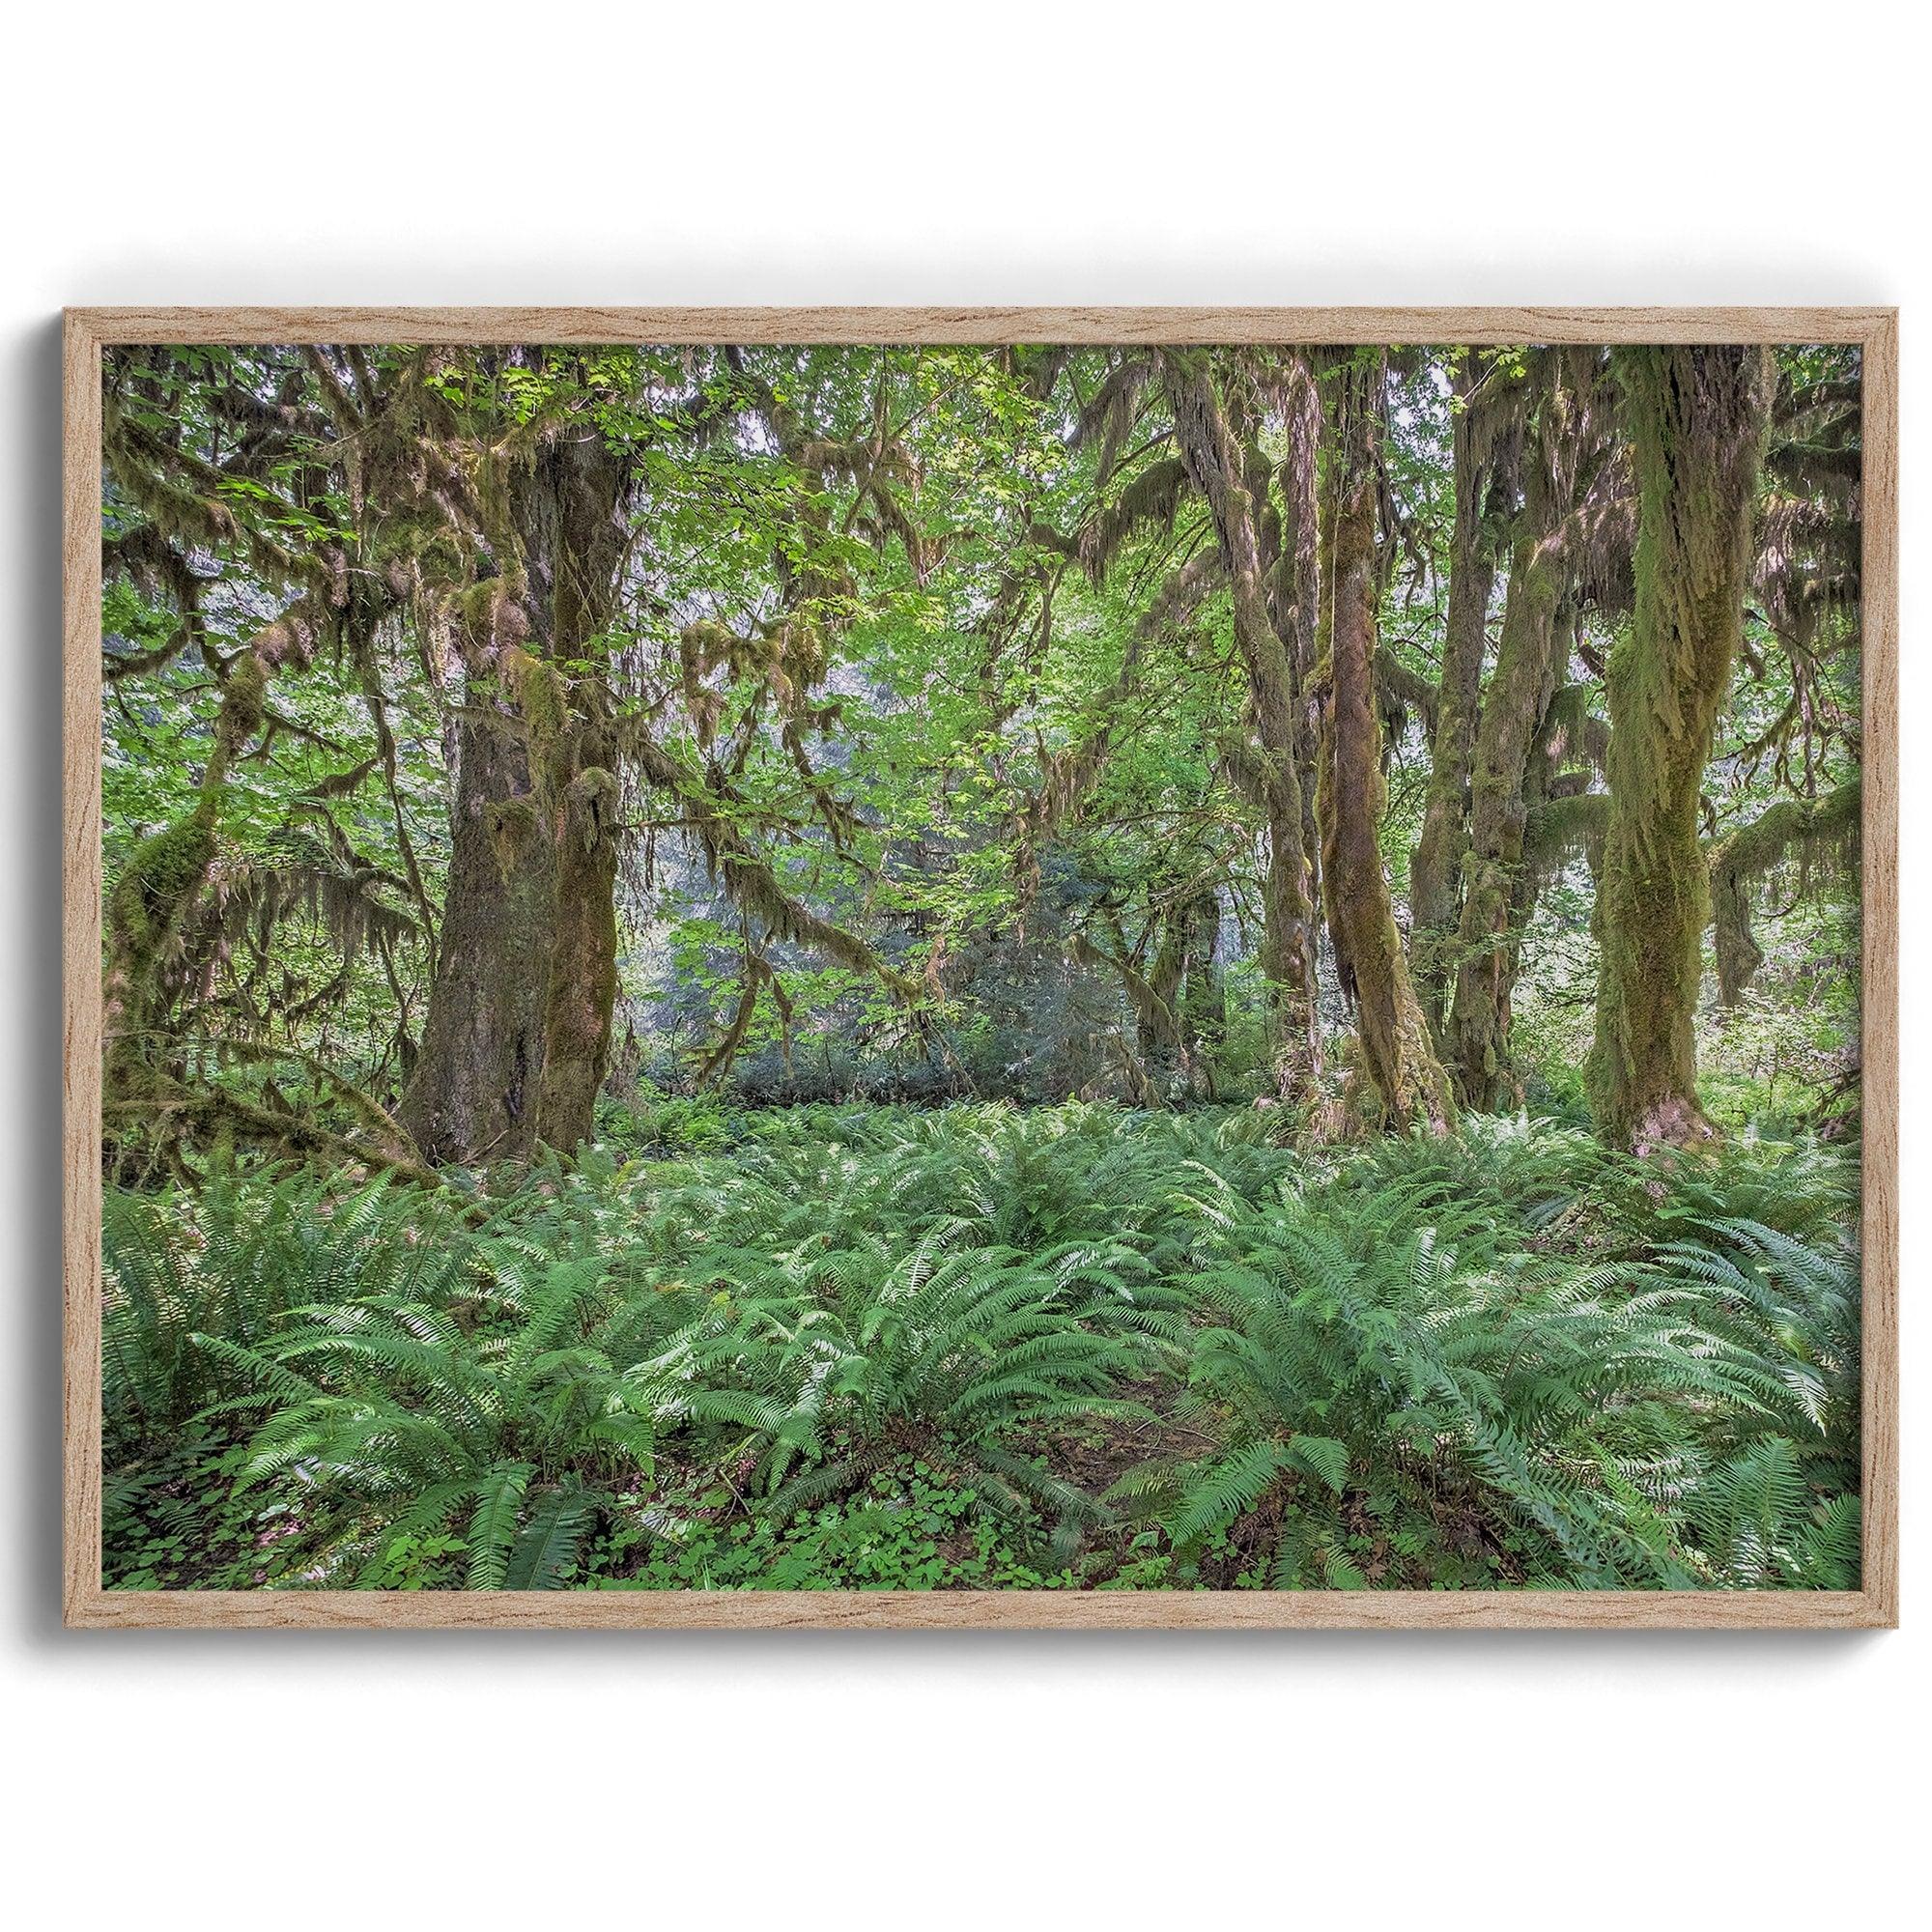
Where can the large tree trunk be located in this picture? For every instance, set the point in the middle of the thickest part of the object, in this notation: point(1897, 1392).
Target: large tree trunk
point(583, 948)
point(474, 1093)
point(1397, 1053)
point(1265, 634)
point(1696, 421)
point(577, 543)
point(518, 1025)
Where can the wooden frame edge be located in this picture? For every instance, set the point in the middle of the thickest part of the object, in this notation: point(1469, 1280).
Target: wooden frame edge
point(86, 1605)
point(1491, 324)
point(1878, 970)
point(81, 913)
point(977, 1609)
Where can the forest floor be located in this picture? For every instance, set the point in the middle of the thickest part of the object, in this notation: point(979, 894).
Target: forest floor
point(983, 1347)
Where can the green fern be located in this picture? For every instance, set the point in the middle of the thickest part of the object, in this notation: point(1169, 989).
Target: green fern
point(1503, 1357)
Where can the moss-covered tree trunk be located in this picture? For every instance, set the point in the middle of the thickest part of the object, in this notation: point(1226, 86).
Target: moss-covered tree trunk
point(1435, 872)
point(1398, 1055)
point(472, 1094)
point(1265, 635)
point(1203, 999)
point(159, 884)
point(1696, 420)
point(519, 1027)
point(1513, 707)
point(582, 988)
point(578, 543)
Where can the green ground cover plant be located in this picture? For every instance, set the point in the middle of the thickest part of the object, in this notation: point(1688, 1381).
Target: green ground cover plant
point(987, 1348)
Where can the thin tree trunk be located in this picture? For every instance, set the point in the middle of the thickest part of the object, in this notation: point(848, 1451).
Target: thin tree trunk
point(1154, 995)
point(1397, 1053)
point(1435, 870)
point(1565, 439)
point(1214, 459)
point(1518, 696)
point(1696, 420)
point(1533, 870)
point(1203, 999)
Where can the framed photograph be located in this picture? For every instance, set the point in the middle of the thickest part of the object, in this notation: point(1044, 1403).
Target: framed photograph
point(1082, 968)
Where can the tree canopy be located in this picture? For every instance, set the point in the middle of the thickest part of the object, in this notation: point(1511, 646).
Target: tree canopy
point(490, 727)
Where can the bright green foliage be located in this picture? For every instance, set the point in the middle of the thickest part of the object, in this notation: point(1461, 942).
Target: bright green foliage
point(1414, 1368)
point(730, 831)
point(830, 1357)
point(233, 1261)
point(979, 1346)
point(910, 1528)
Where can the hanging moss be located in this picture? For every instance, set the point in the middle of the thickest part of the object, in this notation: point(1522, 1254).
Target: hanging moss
point(1273, 635)
point(541, 698)
point(489, 618)
point(157, 886)
point(1559, 437)
point(1566, 827)
point(158, 877)
point(244, 701)
point(512, 823)
point(591, 805)
point(1810, 829)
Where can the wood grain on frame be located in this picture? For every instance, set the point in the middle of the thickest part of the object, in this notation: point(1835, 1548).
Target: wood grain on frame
point(1878, 978)
point(983, 325)
point(87, 1604)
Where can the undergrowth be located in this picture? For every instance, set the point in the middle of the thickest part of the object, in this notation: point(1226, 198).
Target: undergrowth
point(983, 1347)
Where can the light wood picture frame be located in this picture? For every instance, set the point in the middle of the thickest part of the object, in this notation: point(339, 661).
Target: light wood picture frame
point(88, 1605)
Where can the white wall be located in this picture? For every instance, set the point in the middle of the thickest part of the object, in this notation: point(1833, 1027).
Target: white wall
point(191, 153)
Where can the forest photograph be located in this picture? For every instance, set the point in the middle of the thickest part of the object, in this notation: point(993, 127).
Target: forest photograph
point(902, 967)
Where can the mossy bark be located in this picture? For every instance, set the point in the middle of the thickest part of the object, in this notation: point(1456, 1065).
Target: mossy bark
point(1396, 1052)
point(1808, 827)
point(1272, 636)
point(1520, 689)
point(1204, 998)
point(518, 1025)
point(144, 914)
point(1542, 847)
point(1435, 873)
point(584, 952)
point(473, 1097)
point(578, 543)
point(1697, 418)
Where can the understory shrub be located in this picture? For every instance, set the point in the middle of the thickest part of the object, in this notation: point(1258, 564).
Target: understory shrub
point(864, 1347)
